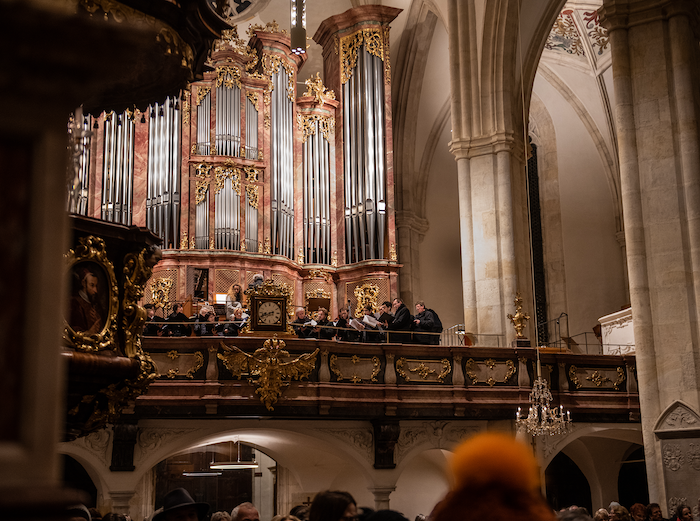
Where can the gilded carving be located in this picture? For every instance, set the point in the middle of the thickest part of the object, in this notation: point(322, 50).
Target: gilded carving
point(392, 253)
point(183, 241)
point(138, 268)
point(202, 187)
point(90, 258)
point(253, 97)
point(193, 150)
point(321, 274)
point(597, 378)
point(315, 88)
point(307, 125)
point(422, 369)
point(267, 364)
point(471, 366)
point(366, 294)
point(252, 193)
point(193, 245)
point(334, 259)
point(349, 46)
point(355, 360)
point(271, 64)
point(186, 109)
point(270, 27)
point(228, 76)
point(574, 377)
point(520, 319)
point(673, 457)
point(222, 173)
point(251, 174)
point(197, 365)
point(300, 255)
point(318, 293)
point(202, 91)
point(160, 289)
point(620, 378)
point(211, 243)
point(267, 247)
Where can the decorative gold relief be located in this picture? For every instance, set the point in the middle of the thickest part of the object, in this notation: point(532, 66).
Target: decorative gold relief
point(193, 150)
point(269, 27)
point(307, 125)
point(197, 365)
point(202, 176)
point(392, 253)
point(574, 377)
point(183, 241)
point(267, 247)
point(173, 355)
point(91, 324)
point(423, 368)
point(212, 148)
point(251, 174)
point(597, 378)
point(186, 109)
point(520, 319)
point(318, 293)
point(355, 363)
point(260, 152)
point(253, 97)
point(300, 255)
point(230, 39)
point(349, 46)
point(193, 245)
point(222, 173)
point(268, 364)
point(271, 64)
point(321, 274)
point(620, 378)
point(334, 259)
point(366, 294)
point(491, 365)
point(228, 76)
point(252, 193)
point(160, 289)
point(138, 268)
point(202, 91)
point(211, 243)
point(315, 88)
point(243, 247)
point(387, 64)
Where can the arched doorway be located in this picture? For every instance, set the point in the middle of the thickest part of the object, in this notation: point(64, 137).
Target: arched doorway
point(566, 484)
point(75, 476)
point(632, 481)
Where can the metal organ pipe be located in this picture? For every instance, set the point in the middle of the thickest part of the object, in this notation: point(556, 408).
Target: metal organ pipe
point(117, 173)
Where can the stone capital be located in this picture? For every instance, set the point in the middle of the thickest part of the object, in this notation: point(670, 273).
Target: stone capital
point(483, 145)
point(623, 14)
point(416, 224)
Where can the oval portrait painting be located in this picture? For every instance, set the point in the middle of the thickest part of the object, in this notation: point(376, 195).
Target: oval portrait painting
point(89, 300)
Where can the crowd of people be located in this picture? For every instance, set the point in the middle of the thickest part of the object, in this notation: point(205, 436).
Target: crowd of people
point(392, 322)
point(616, 512)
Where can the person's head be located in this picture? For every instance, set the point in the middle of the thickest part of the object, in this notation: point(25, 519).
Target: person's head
point(385, 306)
point(178, 505)
point(220, 516)
point(601, 515)
point(386, 515)
point(210, 317)
point(89, 283)
point(322, 313)
point(300, 313)
point(654, 512)
point(238, 313)
point(78, 513)
point(150, 310)
point(574, 514)
point(396, 303)
point(285, 517)
point(684, 513)
point(301, 512)
point(333, 505)
point(343, 314)
point(177, 308)
point(420, 306)
point(367, 310)
point(638, 512)
point(245, 512)
point(619, 513)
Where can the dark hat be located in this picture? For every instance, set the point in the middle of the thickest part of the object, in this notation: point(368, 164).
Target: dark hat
point(179, 498)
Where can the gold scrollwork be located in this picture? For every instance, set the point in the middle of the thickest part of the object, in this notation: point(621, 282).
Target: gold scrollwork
point(253, 97)
point(252, 193)
point(173, 354)
point(318, 293)
point(597, 378)
point(229, 38)
point(193, 149)
point(94, 332)
point(186, 109)
point(334, 259)
point(376, 368)
point(269, 27)
point(574, 377)
point(307, 125)
point(267, 363)
point(267, 247)
point(251, 174)
point(212, 245)
point(271, 64)
point(222, 173)
point(620, 378)
point(138, 269)
point(520, 319)
point(183, 241)
point(228, 76)
point(366, 294)
point(160, 289)
point(392, 253)
point(349, 46)
point(471, 366)
point(422, 369)
point(202, 182)
point(197, 365)
point(202, 91)
point(321, 274)
point(315, 88)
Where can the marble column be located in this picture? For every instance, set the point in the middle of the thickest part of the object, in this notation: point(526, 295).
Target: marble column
point(654, 53)
point(381, 497)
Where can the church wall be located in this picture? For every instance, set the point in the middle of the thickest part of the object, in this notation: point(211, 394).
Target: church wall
point(440, 259)
point(422, 484)
point(592, 256)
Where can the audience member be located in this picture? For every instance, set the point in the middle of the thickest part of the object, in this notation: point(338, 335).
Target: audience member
point(178, 327)
point(619, 513)
point(333, 505)
point(654, 512)
point(321, 331)
point(402, 322)
point(495, 478)
point(368, 332)
point(426, 325)
point(178, 505)
point(220, 516)
point(205, 325)
point(574, 514)
point(245, 512)
point(363, 513)
point(384, 314)
point(301, 512)
point(344, 333)
point(95, 514)
point(601, 515)
point(285, 517)
point(115, 517)
point(386, 515)
point(234, 300)
point(638, 512)
point(236, 323)
point(153, 325)
point(78, 513)
point(683, 513)
point(298, 324)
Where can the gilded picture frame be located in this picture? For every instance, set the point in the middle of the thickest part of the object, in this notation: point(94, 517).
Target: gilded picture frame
point(91, 315)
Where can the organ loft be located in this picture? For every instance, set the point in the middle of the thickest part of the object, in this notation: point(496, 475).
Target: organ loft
point(250, 171)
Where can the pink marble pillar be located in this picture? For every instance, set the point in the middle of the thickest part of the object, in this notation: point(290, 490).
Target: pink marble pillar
point(140, 186)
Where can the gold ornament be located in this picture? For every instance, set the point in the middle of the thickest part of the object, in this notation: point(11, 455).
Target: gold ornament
point(520, 319)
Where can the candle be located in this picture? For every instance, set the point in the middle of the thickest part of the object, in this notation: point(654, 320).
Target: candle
point(568, 415)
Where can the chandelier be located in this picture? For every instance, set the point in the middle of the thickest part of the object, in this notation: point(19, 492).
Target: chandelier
point(542, 419)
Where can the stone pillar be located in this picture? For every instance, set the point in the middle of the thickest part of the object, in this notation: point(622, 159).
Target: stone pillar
point(411, 230)
point(654, 53)
point(381, 497)
point(120, 501)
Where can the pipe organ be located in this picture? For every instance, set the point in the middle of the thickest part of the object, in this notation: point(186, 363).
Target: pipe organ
point(244, 173)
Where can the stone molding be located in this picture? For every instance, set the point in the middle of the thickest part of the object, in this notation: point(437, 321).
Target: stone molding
point(678, 420)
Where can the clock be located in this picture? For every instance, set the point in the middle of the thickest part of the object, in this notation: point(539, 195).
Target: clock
point(269, 313)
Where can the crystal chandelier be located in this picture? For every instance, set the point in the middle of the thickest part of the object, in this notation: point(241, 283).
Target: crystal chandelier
point(542, 419)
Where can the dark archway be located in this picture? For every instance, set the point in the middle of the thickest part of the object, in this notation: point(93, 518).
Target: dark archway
point(566, 484)
point(632, 482)
point(75, 476)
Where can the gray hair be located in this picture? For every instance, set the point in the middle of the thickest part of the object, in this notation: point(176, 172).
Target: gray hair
point(234, 512)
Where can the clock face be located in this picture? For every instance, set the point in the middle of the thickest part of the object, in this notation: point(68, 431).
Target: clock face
point(269, 313)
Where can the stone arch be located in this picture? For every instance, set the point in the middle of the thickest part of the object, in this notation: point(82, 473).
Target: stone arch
point(678, 416)
point(93, 465)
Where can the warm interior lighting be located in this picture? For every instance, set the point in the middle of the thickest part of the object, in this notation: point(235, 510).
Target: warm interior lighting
point(220, 298)
point(298, 32)
point(233, 465)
